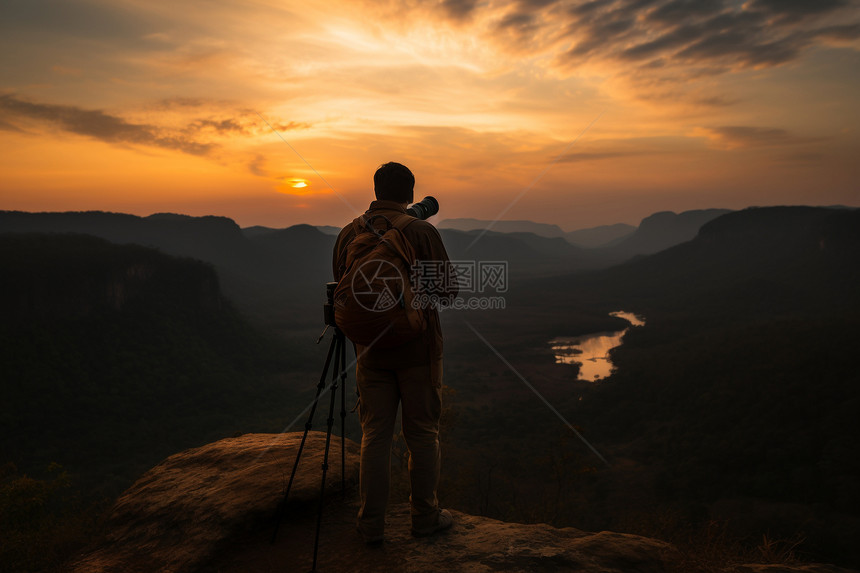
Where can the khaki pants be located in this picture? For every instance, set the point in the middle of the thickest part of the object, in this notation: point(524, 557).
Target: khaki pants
point(419, 390)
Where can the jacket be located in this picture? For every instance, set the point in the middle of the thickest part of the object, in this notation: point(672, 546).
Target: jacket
point(427, 242)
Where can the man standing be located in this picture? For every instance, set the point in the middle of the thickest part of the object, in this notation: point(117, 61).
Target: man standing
point(409, 375)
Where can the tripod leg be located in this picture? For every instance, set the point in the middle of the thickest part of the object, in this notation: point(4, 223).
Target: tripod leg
point(338, 366)
point(279, 516)
point(343, 416)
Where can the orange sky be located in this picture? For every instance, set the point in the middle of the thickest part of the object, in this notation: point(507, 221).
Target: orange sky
point(148, 106)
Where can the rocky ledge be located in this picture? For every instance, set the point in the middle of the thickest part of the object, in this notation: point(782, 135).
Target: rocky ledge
point(212, 509)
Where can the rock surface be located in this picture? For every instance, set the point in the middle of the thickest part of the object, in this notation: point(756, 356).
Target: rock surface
point(179, 512)
point(474, 544)
point(211, 509)
point(773, 568)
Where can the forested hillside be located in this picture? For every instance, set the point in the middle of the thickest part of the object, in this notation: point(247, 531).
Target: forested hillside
point(735, 404)
point(116, 356)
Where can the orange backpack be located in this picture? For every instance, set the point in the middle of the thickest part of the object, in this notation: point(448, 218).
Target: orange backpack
point(373, 301)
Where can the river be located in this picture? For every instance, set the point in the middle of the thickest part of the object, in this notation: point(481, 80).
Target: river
point(591, 351)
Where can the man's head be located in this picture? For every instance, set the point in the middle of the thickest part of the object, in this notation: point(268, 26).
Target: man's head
point(394, 182)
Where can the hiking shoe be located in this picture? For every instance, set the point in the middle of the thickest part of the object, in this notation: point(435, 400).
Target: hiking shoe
point(445, 521)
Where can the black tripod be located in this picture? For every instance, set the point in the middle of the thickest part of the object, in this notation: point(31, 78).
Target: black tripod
point(336, 350)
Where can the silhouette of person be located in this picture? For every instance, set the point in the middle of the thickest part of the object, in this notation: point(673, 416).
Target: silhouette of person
point(408, 375)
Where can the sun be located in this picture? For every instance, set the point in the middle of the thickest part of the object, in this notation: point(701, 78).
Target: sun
point(294, 186)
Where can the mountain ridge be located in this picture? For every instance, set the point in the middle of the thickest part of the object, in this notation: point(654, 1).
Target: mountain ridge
point(662, 230)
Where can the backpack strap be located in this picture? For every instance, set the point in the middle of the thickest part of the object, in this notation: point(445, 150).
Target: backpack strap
point(402, 220)
point(364, 222)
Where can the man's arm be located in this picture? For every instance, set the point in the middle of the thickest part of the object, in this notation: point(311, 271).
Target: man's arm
point(338, 251)
point(428, 246)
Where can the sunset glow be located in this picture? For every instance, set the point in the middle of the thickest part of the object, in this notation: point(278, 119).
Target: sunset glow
point(277, 113)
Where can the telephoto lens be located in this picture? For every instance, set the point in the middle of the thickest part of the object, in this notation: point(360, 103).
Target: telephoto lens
point(427, 207)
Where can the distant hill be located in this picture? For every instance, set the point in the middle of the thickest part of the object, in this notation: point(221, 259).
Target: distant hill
point(269, 272)
point(466, 224)
point(604, 235)
point(656, 232)
point(738, 399)
point(765, 258)
point(114, 356)
point(277, 275)
point(257, 230)
point(260, 230)
point(527, 254)
point(70, 276)
point(207, 238)
point(329, 229)
point(663, 230)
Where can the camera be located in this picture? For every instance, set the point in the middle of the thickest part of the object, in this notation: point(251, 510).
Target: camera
point(328, 307)
point(427, 207)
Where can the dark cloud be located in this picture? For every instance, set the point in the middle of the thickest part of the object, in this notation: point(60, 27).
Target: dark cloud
point(518, 20)
point(98, 125)
point(680, 34)
point(459, 9)
point(752, 136)
point(103, 126)
point(715, 101)
point(229, 125)
point(291, 126)
point(6, 126)
point(596, 29)
point(115, 22)
point(256, 166)
point(802, 157)
point(742, 47)
point(178, 102)
point(584, 9)
point(595, 156)
point(795, 10)
point(845, 32)
point(676, 38)
point(534, 4)
point(678, 11)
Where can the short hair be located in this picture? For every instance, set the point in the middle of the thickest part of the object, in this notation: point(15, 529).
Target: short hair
point(394, 182)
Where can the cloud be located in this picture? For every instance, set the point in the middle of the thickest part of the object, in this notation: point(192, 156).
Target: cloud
point(595, 156)
point(715, 101)
point(256, 166)
point(290, 126)
point(194, 138)
point(229, 125)
point(795, 10)
point(638, 39)
point(178, 103)
point(95, 21)
point(737, 136)
point(677, 11)
point(802, 157)
point(6, 126)
point(459, 9)
point(98, 124)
